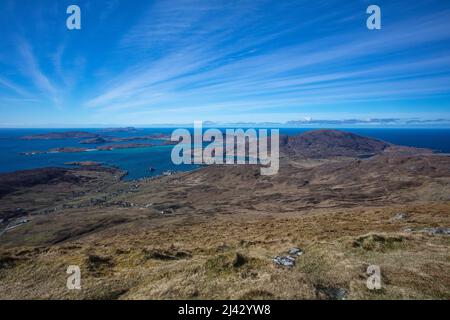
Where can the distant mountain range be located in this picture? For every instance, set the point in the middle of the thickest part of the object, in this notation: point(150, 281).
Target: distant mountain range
point(336, 122)
point(306, 122)
point(309, 122)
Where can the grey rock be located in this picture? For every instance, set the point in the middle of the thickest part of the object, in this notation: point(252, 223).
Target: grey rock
point(333, 293)
point(399, 216)
point(437, 231)
point(295, 252)
point(286, 261)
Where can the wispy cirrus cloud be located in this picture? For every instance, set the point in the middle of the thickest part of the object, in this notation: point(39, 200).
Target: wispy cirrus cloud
point(298, 74)
point(30, 69)
point(188, 59)
point(5, 83)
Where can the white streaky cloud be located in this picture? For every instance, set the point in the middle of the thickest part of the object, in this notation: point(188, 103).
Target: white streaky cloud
point(341, 85)
point(191, 71)
point(14, 87)
point(30, 69)
point(140, 78)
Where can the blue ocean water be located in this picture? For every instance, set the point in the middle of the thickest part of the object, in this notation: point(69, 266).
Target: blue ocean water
point(136, 161)
point(139, 160)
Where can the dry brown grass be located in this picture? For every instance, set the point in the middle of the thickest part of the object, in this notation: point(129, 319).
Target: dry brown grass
point(222, 226)
point(229, 258)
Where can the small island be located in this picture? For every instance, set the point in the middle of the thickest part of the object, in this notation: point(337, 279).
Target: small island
point(84, 163)
point(96, 138)
point(61, 135)
point(125, 129)
point(109, 147)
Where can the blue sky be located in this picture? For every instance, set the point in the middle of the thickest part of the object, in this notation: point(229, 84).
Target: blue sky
point(150, 62)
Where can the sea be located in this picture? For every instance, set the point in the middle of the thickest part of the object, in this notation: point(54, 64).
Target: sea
point(139, 161)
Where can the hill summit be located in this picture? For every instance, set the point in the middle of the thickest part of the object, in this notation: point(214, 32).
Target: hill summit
point(331, 143)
